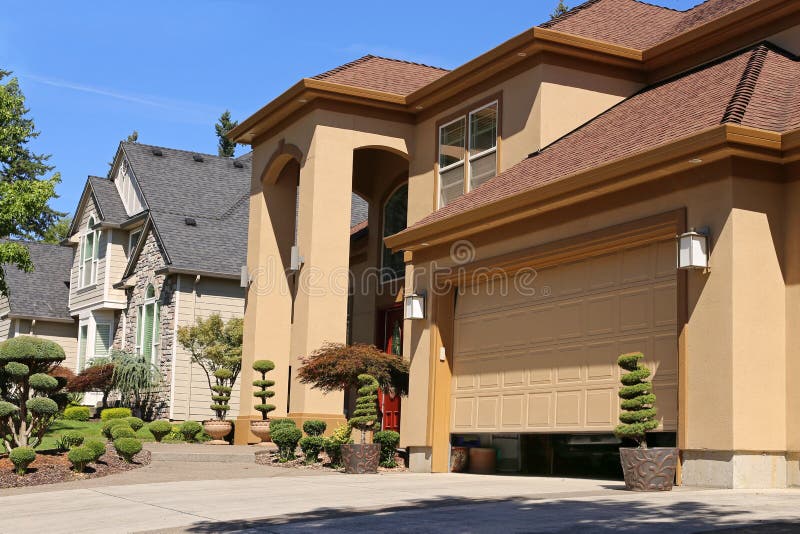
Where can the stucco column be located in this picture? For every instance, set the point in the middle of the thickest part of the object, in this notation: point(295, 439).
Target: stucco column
point(320, 307)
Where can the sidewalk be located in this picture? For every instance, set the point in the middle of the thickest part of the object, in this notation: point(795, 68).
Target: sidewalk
point(407, 502)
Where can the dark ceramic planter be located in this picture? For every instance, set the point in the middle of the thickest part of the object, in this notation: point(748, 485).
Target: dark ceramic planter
point(649, 469)
point(360, 459)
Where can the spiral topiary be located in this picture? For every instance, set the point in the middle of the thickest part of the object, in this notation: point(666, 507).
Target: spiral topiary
point(638, 401)
point(263, 367)
point(366, 412)
point(159, 429)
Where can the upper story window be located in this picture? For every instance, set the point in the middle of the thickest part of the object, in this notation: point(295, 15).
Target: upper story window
point(148, 326)
point(395, 219)
point(133, 240)
point(90, 253)
point(467, 152)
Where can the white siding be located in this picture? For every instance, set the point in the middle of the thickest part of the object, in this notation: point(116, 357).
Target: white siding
point(191, 394)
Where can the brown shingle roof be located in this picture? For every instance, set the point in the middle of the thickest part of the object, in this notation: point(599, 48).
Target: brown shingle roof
point(757, 87)
point(383, 74)
point(636, 24)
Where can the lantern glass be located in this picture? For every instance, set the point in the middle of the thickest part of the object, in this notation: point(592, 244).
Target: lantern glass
point(692, 251)
point(414, 306)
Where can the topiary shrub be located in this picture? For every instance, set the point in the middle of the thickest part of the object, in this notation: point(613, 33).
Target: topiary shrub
point(22, 457)
point(275, 424)
point(70, 439)
point(159, 429)
point(190, 429)
point(311, 447)
point(221, 392)
point(80, 457)
point(135, 423)
point(366, 413)
point(26, 388)
point(115, 413)
point(127, 448)
point(389, 440)
point(315, 427)
point(110, 424)
point(77, 413)
point(286, 438)
point(97, 447)
point(263, 367)
point(638, 401)
point(122, 431)
point(333, 444)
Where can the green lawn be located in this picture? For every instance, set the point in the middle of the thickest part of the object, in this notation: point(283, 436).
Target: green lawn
point(89, 429)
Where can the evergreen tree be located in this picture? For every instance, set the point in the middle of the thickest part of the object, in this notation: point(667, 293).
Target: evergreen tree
point(58, 231)
point(561, 9)
point(24, 191)
point(133, 137)
point(225, 147)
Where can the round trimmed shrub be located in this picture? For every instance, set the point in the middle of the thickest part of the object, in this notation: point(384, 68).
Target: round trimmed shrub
point(314, 427)
point(77, 413)
point(42, 406)
point(311, 447)
point(127, 448)
point(80, 457)
point(159, 429)
point(389, 440)
point(70, 439)
point(115, 413)
point(34, 350)
point(7, 409)
point(97, 447)
point(286, 438)
point(135, 423)
point(22, 457)
point(43, 382)
point(190, 429)
point(16, 370)
point(122, 431)
point(109, 425)
point(275, 424)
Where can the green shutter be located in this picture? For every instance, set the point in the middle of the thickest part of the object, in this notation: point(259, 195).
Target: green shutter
point(102, 339)
point(147, 338)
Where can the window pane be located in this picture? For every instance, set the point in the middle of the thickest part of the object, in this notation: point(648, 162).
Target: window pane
point(395, 216)
point(451, 143)
point(147, 325)
point(481, 169)
point(451, 185)
point(84, 332)
point(483, 130)
point(102, 340)
point(88, 246)
point(87, 272)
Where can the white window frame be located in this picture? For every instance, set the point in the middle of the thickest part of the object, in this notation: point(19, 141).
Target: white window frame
point(81, 358)
point(95, 254)
point(131, 244)
point(468, 159)
point(156, 339)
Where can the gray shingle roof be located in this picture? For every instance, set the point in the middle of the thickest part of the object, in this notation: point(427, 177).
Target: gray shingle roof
point(359, 210)
point(43, 293)
point(214, 192)
point(108, 201)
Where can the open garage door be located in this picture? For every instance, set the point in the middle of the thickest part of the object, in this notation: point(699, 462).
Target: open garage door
point(546, 362)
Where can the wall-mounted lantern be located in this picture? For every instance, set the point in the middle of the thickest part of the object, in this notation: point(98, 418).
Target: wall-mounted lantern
point(693, 249)
point(415, 305)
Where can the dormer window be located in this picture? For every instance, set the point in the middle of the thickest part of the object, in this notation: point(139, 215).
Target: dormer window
point(90, 252)
point(467, 152)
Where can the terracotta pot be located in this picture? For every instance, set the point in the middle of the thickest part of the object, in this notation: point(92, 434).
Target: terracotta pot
point(649, 469)
point(459, 459)
point(217, 430)
point(482, 461)
point(261, 430)
point(359, 459)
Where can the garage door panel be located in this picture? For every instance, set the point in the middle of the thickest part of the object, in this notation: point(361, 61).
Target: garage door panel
point(534, 364)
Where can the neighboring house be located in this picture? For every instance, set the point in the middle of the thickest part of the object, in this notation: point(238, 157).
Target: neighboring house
point(36, 304)
point(543, 184)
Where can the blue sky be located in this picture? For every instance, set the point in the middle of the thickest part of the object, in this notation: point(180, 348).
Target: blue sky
point(94, 71)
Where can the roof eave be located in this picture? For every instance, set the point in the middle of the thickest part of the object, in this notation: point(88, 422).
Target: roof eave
point(197, 272)
point(29, 317)
point(709, 145)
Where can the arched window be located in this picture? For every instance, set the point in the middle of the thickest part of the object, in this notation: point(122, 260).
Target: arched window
point(395, 219)
point(148, 326)
point(90, 252)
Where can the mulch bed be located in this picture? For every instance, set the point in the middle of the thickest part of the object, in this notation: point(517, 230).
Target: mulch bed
point(51, 467)
point(269, 457)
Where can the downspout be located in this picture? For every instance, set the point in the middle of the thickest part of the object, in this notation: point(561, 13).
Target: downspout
point(176, 312)
point(191, 367)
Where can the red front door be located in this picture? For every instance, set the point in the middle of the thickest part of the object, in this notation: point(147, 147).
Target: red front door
point(391, 329)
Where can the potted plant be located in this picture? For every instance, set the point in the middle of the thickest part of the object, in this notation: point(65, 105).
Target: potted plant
point(261, 428)
point(645, 469)
point(216, 347)
point(360, 458)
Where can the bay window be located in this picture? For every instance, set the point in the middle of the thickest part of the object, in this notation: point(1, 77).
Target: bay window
point(467, 152)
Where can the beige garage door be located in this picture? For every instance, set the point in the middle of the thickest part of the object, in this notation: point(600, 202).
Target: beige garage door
point(540, 355)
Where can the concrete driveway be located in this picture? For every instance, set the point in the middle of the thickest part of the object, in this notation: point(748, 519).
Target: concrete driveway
point(396, 502)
